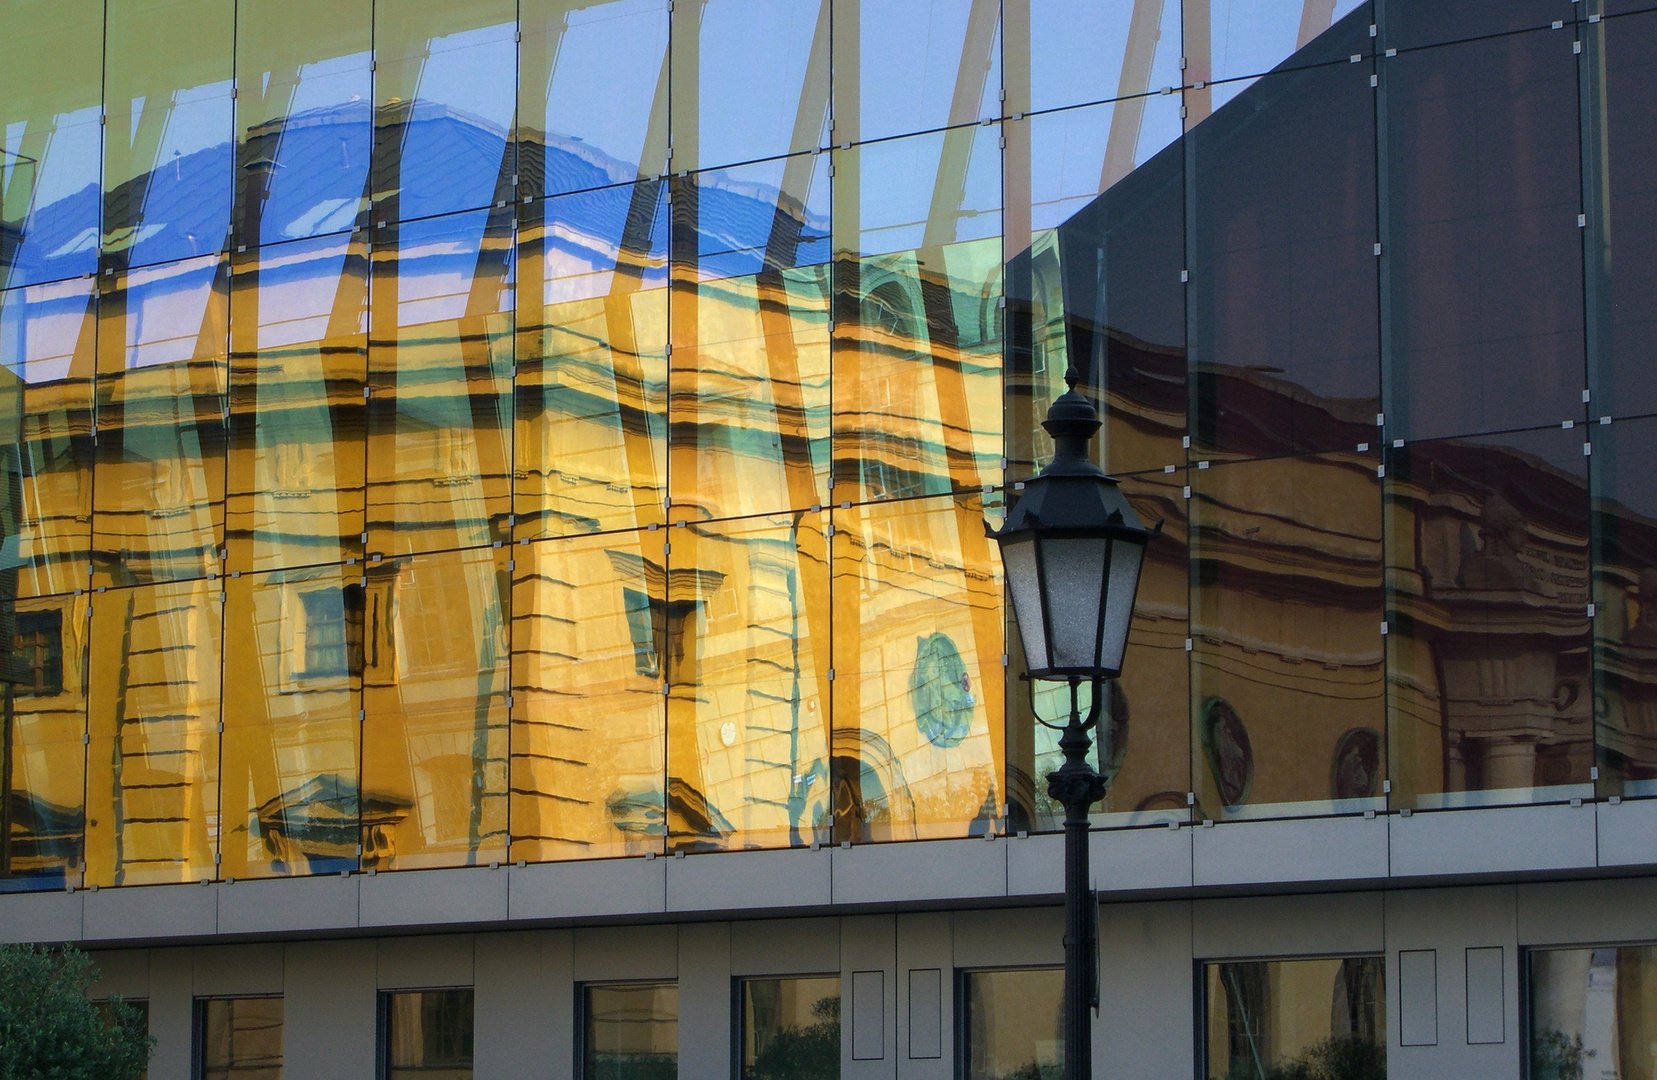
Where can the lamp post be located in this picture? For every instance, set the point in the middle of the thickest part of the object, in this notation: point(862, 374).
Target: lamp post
point(1072, 548)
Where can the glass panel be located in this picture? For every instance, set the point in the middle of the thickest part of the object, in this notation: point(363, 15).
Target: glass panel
point(440, 370)
point(1484, 254)
point(153, 762)
point(1124, 329)
point(241, 1039)
point(1014, 1024)
point(591, 627)
point(429, 1035)
point(299, 353)
point(1625, 253)
point(1487, 556)
point(917, 343)
point(1286, 610)
point(1625, 605)
point(591, 414)
point(1089, 50)
point(791, 1029)
point(445, 93)
point(903, 66)
point(48, 346)
point(749, 378)
point(304, 118)
point(1593, 1012)
point(592, 93)
point(158, 482)
point(435, 668)
point(1228, 41)
point(167, 144)
point(46, 801)
point(1143, 743)
point(747, 626)
point(1295, 1018)
point(1285, 337)
point(50, 102)
point(918, 631)
point(1413, 23)
point(291, 736)
point(631, 1032)
point(775, 102)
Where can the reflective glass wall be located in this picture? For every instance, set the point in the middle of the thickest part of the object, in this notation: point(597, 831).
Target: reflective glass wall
point(454, 433)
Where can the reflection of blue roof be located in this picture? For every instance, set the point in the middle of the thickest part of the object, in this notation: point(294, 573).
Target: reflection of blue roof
point(316, 169)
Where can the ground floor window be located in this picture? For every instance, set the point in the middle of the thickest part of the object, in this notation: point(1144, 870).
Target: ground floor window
point(1013, 1024)
point(791, 1028)
point(630, 1031)
point(1593, 1013)
point(241, 1038)
point(427, 1034)
point(1295, 1019)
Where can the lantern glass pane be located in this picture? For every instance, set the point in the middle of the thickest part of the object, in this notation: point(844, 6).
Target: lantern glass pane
point(1073, 572)
point(1126, 557)
point(1019, 557)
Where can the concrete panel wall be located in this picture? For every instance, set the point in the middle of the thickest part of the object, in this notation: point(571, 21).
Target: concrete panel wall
point(705, 1000)
point(868, 994)
point(525, 1020)
point(329, 1010)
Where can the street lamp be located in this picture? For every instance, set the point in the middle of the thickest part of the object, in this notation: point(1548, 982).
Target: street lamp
point(1072, 548)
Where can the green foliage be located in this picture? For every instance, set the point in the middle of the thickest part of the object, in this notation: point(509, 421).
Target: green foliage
point(1342, 1057)
point(617, 1066)
point(1556, 1056)
point(808, 1052)
point(50, 1031)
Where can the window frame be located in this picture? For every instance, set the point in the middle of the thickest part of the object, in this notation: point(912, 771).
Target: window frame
point(963, 1036)
point(579, 1040)
point(382, 1021)
point(198, 1025)
point(1199, 991)
point(739, 1015)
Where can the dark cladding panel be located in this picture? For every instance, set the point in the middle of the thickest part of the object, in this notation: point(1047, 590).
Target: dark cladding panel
point(1484, 252)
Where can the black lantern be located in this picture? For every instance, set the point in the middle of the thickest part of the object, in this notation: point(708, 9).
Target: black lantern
point(1072, 548)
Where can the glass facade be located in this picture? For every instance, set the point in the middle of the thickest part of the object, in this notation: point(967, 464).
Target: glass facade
point(1282, 1018)
point(437, 434)
point(790, 1029)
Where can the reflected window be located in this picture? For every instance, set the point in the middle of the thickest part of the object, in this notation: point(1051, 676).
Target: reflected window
point(1013, 1024)
point(241, 1038)
point(791, 1028)
point(428, 1033)
point(630, 1031)
point(1593, 1012)
point(37, 642)
point(1291, 1018)
point(325, 655)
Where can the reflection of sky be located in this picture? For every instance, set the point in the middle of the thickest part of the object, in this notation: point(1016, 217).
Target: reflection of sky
point(583, 236)
point(39, 327)
point(747, 110)
point(737, 207)
point(604, 76)
point(1250, 37)
point(437, 261)
point(475, 72)
point(911, 56)
point(898, 179)
point(298, 284)
point(1068, 152)
point(166, 307)
point(1078, 47)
